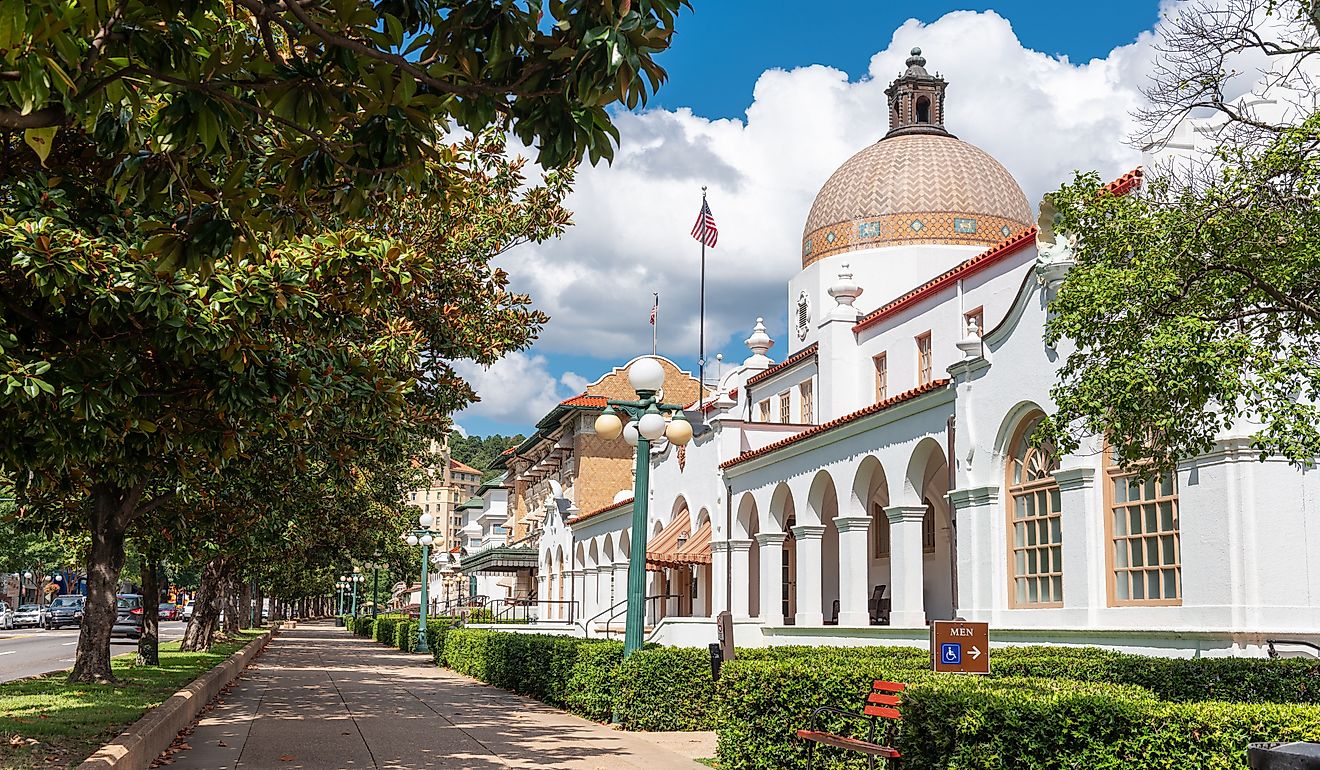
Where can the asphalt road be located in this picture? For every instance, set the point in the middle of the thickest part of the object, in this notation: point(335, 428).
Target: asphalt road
point(30, 651)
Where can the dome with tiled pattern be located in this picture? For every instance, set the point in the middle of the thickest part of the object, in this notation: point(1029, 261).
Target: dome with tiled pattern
point(915, 188)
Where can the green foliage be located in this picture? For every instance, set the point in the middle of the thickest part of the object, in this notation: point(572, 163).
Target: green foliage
point(383, 630)
point(667, 688)
point(481, 451)
point(1192, 307)
point(548, 668)
point(1132, 711)
point(594, 688)
point(271, 116)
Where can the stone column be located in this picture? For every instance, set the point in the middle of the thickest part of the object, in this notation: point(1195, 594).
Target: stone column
point(620, 581)
point(854, 558)
point(772, 578)
point(718, 575)
point(572, 607)
point(906, 571)
point(808, 574)
point(588, 604)
point(981, 550)
point(739, 565)
point(605, 593)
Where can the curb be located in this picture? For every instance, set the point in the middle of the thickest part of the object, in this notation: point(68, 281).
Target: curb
point(146, 738)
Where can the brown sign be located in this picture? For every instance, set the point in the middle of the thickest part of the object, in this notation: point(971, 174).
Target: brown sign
point(960, 647)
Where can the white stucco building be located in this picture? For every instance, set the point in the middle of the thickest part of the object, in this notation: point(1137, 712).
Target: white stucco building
point(878, 477)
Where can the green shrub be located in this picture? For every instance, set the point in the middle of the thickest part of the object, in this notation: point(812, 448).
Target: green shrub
point(667, 688)
point(361, 626)
point(593, 687)
point(383, 631)
point(761, 702)
point(1238, 680)
point(546, 667)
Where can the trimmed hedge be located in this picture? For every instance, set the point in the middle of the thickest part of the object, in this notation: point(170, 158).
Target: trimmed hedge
point(1236, 680)
point(544, 666)
point(666, 689)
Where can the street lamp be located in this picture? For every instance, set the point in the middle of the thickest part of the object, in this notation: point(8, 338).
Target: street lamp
point(646, 423)
point(424, 536)
point(342, 586)
point(376, 567)
point(356, 579)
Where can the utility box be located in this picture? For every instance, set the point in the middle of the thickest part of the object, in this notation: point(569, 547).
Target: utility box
point(1283, 756)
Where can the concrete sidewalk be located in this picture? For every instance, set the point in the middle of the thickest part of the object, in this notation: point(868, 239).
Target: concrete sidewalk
point(321, 699)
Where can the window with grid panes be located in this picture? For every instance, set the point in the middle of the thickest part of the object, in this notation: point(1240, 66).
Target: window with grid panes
point(764, 408)
point(1144, 531)
point(804, 399)
point(879, 532)
point(784, 414)
point(923, 359)
point(1035, 522)
point(928, 529)
point(881, 377)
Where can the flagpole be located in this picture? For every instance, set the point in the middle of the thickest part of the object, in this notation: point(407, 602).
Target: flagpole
point(655, 321)
point(701, 330)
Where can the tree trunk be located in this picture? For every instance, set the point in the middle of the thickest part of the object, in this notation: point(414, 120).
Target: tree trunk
point(197, 637)
point(232, 607)
point(112, 509)
point(149, 643)
point(245, 607)
point(259, 599)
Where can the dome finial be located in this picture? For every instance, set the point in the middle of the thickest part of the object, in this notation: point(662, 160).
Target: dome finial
point(759, 343)
point(916, 100)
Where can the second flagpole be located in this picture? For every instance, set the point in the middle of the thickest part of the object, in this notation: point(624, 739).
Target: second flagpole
point(701, 324)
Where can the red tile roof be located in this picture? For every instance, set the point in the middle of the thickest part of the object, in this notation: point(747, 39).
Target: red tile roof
point(583, 399)
point(977, 263)
point(1126, 183)
point(787, 363)
point(455, 465)
point(816, 430)
point(1014, 243)
point(598, 511)
point(509, 451)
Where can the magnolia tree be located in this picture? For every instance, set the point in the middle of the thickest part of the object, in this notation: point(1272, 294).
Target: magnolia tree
point(1195, 305)
point(191, 260)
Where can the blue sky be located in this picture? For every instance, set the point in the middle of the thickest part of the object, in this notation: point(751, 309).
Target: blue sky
point(1046, 87)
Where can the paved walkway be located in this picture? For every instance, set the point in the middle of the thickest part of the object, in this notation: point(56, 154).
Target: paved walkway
point(321, 699)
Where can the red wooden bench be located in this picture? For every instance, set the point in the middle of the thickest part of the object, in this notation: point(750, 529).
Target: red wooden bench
point(881, 704)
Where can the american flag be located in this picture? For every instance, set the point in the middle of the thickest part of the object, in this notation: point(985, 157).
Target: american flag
point(705, 230)
point(654, 308)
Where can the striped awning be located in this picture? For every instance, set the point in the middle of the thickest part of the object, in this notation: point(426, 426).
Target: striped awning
point(677, 546)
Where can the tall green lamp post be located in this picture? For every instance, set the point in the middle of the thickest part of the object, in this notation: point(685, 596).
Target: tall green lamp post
point(424, 536)
point(375, 566)
point(646, 423)
point(357, 581)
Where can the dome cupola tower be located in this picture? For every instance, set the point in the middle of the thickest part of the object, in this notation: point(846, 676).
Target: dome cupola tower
point(916, 100)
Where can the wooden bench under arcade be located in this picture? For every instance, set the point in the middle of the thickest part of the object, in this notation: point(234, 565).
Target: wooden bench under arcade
point(881, 704)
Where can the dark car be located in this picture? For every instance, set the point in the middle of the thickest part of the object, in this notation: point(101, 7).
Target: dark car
point(65, 611)
point(129, 615)
point(168, 611)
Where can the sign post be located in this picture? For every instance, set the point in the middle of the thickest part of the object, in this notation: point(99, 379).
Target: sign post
point(960, 647)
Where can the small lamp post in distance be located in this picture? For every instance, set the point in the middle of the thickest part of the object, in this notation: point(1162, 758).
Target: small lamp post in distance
point(646, 423)
point(425, 537)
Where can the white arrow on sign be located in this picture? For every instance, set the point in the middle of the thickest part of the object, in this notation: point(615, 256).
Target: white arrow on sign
point(975, 652)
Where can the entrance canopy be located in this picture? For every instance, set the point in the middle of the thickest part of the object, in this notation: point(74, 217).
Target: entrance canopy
point(499, 560)
point(677, 546)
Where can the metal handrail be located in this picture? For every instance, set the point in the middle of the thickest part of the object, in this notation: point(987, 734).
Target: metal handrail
point(1273, 653)
point(610, 622)
point(586, 624)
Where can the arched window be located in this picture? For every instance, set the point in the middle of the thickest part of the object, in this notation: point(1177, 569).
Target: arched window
point(928, 528)
point(1034, 522)
point(923, 109)
point(1143, 526)
point(880, 532)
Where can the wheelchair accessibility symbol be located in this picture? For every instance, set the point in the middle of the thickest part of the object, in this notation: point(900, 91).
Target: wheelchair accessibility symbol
point(951, 654)
point(960, 647)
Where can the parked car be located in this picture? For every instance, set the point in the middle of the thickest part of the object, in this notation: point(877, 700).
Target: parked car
point(66, 610)
point(187, 612)
point(129, 616)
point(30, 616)
point(168, 611)
point(6, 616)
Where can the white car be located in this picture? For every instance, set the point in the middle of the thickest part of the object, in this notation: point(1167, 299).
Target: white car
point(6, 616)
point(187, 612)
point(33, 615)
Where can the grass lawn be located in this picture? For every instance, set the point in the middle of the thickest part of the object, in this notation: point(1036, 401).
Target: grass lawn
point(70, 721)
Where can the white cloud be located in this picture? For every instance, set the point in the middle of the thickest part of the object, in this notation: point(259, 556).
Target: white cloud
point(516, 389)
point(1042, 117)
